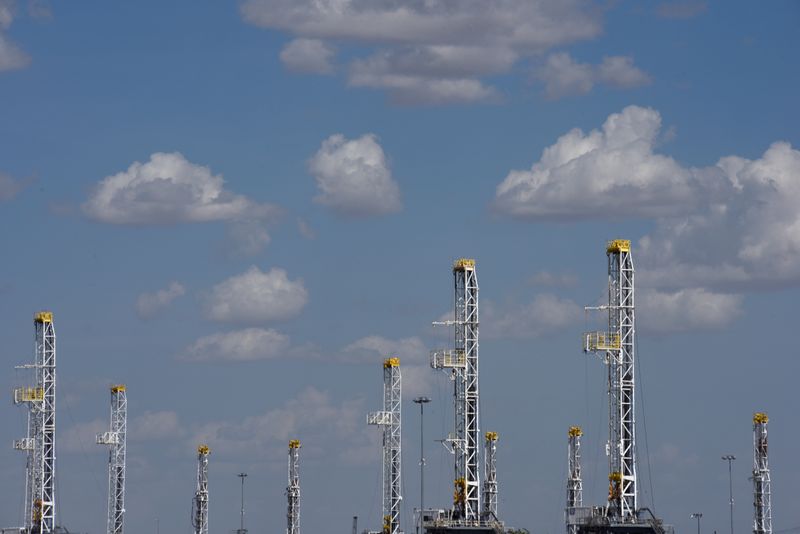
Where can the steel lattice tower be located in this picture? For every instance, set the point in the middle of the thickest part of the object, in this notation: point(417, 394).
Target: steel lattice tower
point(293, 489)
point(200, 515)
point(463, 360)
point(618, 345)
point(31, 445)
point(762, 498)
point(490, 474)
point(115, 438)
point(574, 481)
point(389, 419)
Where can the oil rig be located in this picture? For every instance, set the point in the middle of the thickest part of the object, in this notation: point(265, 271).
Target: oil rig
point(474, 507)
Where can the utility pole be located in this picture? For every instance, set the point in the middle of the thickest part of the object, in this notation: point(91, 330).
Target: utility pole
point(422, 401)
point(242, 530)
point(730, 458)
point(697, 516)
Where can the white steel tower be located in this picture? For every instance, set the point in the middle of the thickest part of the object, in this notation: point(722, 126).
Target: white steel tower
point(617, 344)
point(463, 360)
point(33, 398)
point(762, 499)
point(200, 515)
point(574, 481)
point(293, 489)
point(389, 419)
point(115, 438)
point(490, 474)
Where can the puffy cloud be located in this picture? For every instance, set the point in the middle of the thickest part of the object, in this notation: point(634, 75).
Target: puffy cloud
point(249, 344)
point(420, 43)
point(256, 297)
point(311, 415)
point(730, 225)
point(607, 173)
point(432, 74)
point(563, 76)
point(149, 304)
point(308, 55)
point(687, 309)
point(353, 177)
point(168, 189)
point(544, 314)
point(11, 57)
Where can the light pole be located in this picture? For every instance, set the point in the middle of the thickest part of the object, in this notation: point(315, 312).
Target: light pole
point(422, 401)
point(730, 458)
point(241, 527)
point(697, 516)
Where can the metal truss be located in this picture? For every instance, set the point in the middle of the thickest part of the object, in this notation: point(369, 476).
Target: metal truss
point(490, 474)
point(618, 345)
point(762, 496)
point(574, 481)
point(200, 504)
point(116, 439)
point(293, 489)
point(389, 418)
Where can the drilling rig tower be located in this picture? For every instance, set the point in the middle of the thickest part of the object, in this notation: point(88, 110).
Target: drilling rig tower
point(293, 489)
point(115, 438)
point(762, 498)
point(200, 503)
point(490, 477)
point(574, 480)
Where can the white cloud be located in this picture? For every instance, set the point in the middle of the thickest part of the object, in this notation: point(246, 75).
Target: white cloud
point(308, 55)
point(730, 225)
point(255, 297)
point(155, 426)
point(540, 317)
point(353, 177)
point(168, 189)
point(311, 417)
point(432, 74)
point(608, 173)
point(149, 304)
point(682, 9)
point(80, 437)
point(563, 76)
point(249, 344)
point(687, 309)
point(417, 44)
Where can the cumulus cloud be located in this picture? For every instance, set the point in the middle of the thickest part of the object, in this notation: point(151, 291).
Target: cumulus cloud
point(249, 344)
point(353, 177)
point(372, 349)
point(11, 56)
point(308, 55)
point(726, 226)
point(547, 279)
point(687, 309)
point(168, 189)
point(433, 51)
point(563, 76)
point(683, 9)
point(311, 416)
point(543, 315)
point(432, 74)
point(255, 297)
point(607, 173)
point(149, 304)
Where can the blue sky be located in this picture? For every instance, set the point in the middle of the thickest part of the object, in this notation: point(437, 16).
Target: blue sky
point(239, 209)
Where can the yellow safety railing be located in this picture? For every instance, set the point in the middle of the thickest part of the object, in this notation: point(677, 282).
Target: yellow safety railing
point(618, 245)
point(595, 341)
point(28, 395)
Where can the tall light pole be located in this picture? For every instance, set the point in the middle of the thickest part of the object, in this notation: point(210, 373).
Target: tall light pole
point(730, 458)
point(241, 527)
point(697, 516)
point(422, 401)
